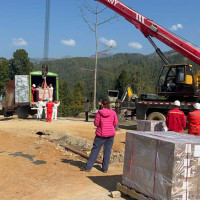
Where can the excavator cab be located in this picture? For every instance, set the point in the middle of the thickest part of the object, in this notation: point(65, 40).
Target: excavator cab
point(176, 80)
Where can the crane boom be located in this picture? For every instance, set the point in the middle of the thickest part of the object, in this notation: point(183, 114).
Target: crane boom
point(151, 29)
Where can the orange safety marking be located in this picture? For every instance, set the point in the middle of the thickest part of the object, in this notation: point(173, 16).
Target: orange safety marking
point(176, 113)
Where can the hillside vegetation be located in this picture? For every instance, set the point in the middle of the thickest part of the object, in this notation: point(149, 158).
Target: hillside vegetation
point(141, 71)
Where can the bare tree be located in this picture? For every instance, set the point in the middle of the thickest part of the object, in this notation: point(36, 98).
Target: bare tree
point(96, 10)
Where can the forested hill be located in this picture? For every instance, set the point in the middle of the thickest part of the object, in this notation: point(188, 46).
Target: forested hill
point(141, 71)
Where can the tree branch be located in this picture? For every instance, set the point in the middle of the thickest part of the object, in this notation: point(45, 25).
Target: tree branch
point(107, 20)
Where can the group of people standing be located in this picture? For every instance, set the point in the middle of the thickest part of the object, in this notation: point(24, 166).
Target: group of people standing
point(41, 91)
point(106, 121)
point(176, 119)
point(50, 108)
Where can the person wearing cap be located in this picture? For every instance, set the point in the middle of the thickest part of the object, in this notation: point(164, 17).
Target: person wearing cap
point(193, 119)
point(175, 119)
point(33, 89)
point(55, 110)
point(40, 106)
point(49, 107)
point(51, 90)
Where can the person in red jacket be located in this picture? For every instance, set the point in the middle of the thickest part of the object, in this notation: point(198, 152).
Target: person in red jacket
point(106, 120)
point(33, 90)
point(49, 106)
point(193, 119)
point(175, 119)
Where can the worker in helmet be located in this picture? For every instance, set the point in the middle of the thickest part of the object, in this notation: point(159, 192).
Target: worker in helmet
point(51, 91)
point(175, 119)
point(193, 119)
point(33, 89)
point(40, 106)
point(49, 107)
point(55, 109)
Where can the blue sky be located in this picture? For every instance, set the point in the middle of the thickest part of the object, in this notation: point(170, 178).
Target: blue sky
point(22, 27)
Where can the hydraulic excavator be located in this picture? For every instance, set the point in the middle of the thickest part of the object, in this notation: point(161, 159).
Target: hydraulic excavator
point(179, 82)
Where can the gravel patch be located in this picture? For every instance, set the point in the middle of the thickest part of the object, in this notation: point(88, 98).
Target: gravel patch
point(85, 145)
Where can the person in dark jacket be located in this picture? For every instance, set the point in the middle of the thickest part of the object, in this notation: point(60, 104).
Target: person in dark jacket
point(106, 120)
point(175, 119)
point(193, 119)
point(87, 108)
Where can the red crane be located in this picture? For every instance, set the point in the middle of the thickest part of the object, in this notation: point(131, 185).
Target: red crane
point(151, 29)
point(180, 76)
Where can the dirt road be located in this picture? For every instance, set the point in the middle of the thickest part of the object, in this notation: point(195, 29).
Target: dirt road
point(33, 168)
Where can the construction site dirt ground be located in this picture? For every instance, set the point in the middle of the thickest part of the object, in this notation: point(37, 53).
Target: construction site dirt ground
point(32, 168)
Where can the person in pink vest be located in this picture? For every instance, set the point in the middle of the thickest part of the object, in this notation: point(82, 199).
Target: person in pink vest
point(106, 120)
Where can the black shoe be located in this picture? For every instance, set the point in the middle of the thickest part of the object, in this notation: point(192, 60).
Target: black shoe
point(104, 171)
point(86, 170)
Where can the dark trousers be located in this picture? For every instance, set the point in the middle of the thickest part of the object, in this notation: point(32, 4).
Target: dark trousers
point(98, 143)
point(86, 116)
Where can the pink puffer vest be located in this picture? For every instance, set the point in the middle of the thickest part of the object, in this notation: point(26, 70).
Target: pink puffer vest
point(106, 120)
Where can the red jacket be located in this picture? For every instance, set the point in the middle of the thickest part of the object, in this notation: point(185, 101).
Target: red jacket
point(32, 93)
point(106, 120)
point(194, 122)
point(175, 120)
point(49, 106)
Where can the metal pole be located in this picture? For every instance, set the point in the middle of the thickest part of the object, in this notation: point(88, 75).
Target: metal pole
point(46, 31)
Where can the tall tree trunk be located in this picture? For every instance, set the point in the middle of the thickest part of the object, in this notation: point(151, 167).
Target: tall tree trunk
point(93, 25)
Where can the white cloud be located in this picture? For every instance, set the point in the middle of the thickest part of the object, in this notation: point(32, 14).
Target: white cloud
point(19, 42)
point(71, 42)
point(108, 43)
point(135, 45)
point(176, 27)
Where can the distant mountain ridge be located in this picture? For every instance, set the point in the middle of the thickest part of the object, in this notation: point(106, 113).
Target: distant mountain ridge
point(102, 55)
point(105, 55)
point(38, 60)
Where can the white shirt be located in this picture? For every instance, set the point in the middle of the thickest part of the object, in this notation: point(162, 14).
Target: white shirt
point(56, 105)
point(40, 104)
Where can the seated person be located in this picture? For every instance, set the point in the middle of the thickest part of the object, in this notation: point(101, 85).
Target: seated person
point(171, 85)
